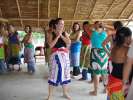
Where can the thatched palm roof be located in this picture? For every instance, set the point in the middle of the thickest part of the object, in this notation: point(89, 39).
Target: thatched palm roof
point(37, 13)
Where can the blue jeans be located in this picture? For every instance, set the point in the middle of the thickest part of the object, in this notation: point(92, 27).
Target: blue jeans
point(2, 66)
point(31, 66)
point(84, 74)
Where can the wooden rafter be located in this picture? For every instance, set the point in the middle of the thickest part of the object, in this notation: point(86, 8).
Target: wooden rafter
point(131, 14)
point(1, 14)
point(68, 20)
point(76, 8)
point(130, 18)
point(49, 1)
point(38, 12)
point(75, 11)
point(19, 11)
point(3, 19)
point(58, 8)
point(93, 8)
point(124, 8)
point(109, 9)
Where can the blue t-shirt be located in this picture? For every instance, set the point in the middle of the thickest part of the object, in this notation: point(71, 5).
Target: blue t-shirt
point(97, 39)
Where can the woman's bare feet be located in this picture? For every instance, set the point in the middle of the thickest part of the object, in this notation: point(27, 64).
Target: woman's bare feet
point(104, 90)
point(93, 93)
point(67, 96)
point(49, 98)
point(90, 82)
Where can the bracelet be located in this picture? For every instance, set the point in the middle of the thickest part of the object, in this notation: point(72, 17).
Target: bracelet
point(125, 82)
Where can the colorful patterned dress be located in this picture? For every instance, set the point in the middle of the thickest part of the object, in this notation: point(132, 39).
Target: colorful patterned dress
point(99, 58)
point(85, 54)
point(14, 49)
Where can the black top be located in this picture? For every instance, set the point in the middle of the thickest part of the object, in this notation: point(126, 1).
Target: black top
point(46, 41)
point(60, 43)
point(117, 70)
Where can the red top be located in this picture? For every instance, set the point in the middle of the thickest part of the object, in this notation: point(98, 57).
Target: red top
point(86, 38)
point(1, 45)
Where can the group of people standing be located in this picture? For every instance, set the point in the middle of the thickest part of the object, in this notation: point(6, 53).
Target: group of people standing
point(99, 49)
point(11, 46)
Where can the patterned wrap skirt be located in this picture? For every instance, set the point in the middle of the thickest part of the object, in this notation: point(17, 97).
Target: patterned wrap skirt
point(85, 56)
point(99, 61)
point(59, 70)
point(29, 54)
point(75, 53)
point(114, 89)
point(14, 54)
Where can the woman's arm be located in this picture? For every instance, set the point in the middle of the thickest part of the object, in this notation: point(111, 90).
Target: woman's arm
point(66, 38)
point(127, 69)
point(73, 36)
point(76, 36)
point(24, 39)
point(79, 34)
point(52, 42)
point(106, 41)
point(27, 39)
point(109, 27)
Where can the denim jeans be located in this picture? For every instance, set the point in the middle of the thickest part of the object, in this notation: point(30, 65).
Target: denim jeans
point(31, 66)
point(2, 66)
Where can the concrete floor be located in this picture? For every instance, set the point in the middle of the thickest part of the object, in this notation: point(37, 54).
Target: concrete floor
point(22, 86)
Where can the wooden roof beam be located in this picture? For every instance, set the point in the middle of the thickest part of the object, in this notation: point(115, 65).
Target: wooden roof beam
point(76, 8)
point(19, 11)
point(58, 9)
point(38, 13)
point(69, 20)
point(75, 11)
point(1, 14)
point(130, 18)
point(131, 15)
point(93, 8)
point(49, 1)
point(3, 19)
point(124, 8)
point(109, 9)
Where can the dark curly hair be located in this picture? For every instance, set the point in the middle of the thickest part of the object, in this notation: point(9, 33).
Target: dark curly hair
point(117, 25)
point(76, 23)
point(52, 23)
point(56, 22)
point(121, 34)
point(30, 28)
